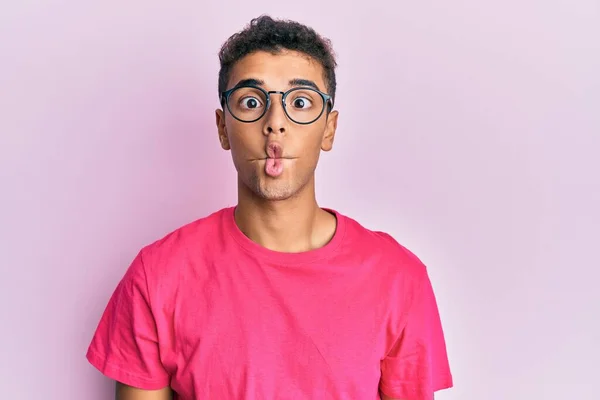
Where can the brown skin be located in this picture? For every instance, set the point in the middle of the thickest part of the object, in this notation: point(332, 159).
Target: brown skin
point(279, 213)
point(124, 392)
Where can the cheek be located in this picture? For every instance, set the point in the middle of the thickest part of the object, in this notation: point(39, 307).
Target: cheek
point(310, 150)
point(242, 140)
point(316, 141)
point(237, 147)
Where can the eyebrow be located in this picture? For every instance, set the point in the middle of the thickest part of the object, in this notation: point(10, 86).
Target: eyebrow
point(249, 82)
point(294, 82)
point(303, 82)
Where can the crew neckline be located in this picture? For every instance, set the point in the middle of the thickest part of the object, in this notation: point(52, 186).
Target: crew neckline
point(283, 257)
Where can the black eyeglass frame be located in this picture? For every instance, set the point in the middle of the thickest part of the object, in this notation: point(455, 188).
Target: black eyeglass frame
point(327, 101)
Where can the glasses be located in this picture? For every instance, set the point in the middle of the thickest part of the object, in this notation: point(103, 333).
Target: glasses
point(303, 105)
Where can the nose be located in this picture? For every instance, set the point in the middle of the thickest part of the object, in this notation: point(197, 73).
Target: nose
point(276, 120)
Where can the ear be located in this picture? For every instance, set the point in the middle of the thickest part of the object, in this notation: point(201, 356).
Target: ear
point(330, 128)
point(222, 129)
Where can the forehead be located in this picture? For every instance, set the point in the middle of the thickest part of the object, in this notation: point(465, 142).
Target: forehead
point(277, 70)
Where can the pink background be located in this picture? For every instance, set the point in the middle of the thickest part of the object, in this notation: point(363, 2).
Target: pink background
point(469, 130)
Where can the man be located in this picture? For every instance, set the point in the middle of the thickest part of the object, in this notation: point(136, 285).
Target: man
point(275, 298)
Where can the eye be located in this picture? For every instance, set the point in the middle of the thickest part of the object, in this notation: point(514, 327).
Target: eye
point(250, 102)
point(301, 102)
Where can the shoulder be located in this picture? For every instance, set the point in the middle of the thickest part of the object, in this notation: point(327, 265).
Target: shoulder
point(382, 244)
point(179, 244)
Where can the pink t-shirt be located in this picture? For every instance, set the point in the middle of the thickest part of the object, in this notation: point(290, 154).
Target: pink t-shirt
point(216, 316)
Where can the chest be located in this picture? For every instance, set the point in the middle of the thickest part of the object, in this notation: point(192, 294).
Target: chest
point(263, 329)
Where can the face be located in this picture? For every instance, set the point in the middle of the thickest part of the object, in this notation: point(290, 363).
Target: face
point(275, 157)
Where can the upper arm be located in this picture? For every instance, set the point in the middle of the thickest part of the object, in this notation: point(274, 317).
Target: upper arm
point(125, 392)
point(417, 365)
point(125, 346)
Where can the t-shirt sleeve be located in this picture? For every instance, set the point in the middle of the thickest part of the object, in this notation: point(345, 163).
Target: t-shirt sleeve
point(417, 365)
point(125, 345)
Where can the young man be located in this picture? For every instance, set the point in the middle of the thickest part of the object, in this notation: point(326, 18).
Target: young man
point(275, 298)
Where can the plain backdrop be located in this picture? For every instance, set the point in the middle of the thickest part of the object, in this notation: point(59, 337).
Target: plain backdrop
point(469, 130)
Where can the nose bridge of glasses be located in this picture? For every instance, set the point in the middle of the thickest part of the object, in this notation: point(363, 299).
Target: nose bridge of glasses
point(272, 102)
point(272, 92)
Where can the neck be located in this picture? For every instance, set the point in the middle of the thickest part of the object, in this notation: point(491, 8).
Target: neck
point(293, 225)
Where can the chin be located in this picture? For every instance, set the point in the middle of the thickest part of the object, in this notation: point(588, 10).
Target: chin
point(269, 189)
point(275, 192)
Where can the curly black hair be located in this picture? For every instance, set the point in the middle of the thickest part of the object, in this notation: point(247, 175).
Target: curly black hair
point(267, 34)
